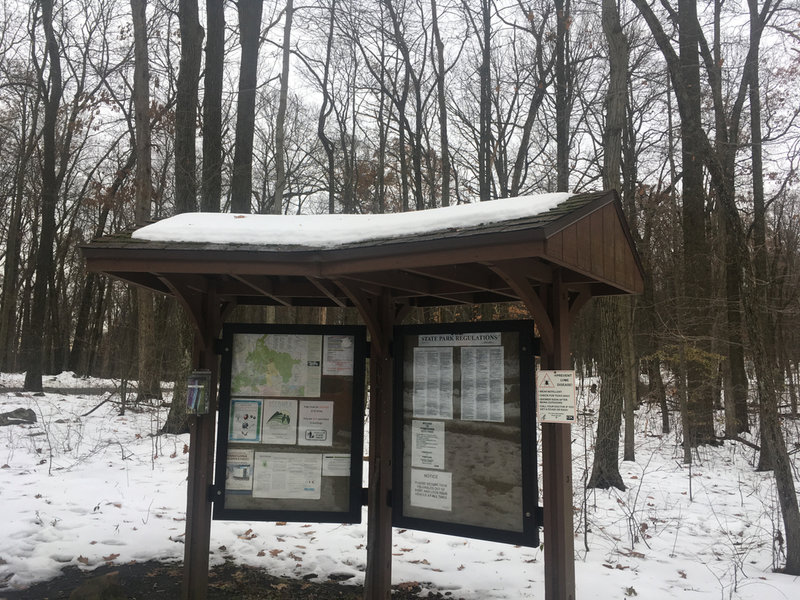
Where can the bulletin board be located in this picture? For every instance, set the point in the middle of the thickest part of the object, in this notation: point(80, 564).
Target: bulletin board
point(290, 430)
point(465, 435)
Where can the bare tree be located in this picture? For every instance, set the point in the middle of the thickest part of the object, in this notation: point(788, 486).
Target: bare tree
point(51, 88)
point(249, 34)
point(211, 188)
point(149, 373)
point(280, 128)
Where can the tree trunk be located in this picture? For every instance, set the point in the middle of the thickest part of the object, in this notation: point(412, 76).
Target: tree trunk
point(149, 372)
point(34, 335)
point(186, 107)
point(185, 184)
point(605, 468)
point(8, 296)
point(696, 261)
point(562, 95)
point(177, 419)
point(485, 129)
point(439, 70)
point(249, 35)
point(280, 119)
point(211, 186)
point(325, 110)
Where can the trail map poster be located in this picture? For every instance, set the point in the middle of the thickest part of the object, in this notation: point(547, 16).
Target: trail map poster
point(277, 365)
point(291, 423)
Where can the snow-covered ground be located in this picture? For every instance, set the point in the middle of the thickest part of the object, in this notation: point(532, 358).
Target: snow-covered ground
point(86, 490)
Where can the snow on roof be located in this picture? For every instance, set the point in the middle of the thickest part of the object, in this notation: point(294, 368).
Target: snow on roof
point(333, 230)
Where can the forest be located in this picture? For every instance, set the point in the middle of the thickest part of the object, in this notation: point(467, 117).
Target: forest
point(118, 112)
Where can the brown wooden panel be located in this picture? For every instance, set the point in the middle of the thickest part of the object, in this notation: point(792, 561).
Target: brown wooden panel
point(570, 238)
point(620, 244)
point(555, 247)
point(609, 223)
point(584, 244)
point(596, 226)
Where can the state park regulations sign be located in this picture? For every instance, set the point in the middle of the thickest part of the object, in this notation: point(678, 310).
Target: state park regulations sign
point(555, 396)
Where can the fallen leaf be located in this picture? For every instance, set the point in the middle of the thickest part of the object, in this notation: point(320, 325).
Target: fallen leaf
point(111, 557)
point(83, 560)
point(261, 553)
point(275, 552)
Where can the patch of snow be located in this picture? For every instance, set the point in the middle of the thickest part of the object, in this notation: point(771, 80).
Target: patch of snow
point(333, 230)
point(88, 490)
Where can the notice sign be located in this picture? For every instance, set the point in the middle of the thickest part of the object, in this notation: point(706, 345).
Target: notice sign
point(555, 396)
point(432, 489)
point(427, 444)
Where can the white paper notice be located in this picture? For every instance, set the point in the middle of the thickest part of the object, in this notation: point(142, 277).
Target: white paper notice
point(336, 465)
point(338, 355)
point(315, 423)
point(287, 475)
point(482, 384)
point(433, 383)
point(555, 396)
point(280, 422)
point(239, 469)
point(245, 421)
point(427, 444)
point(432, 489)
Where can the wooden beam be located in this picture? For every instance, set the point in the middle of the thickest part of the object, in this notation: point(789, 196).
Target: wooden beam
point(519, 282)
point(262, 285)
point(414, 285)
point(379, 314)
point(324, 287)
point(559, 558)
point(202, 430)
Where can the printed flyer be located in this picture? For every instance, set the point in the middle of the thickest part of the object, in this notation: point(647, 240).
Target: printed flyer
point(245, 421)
point(239, 469)
point(287, 475)
point(433, 383)
point(427, 444)
point(315, 423)
point(432, 489)
point(280, 421)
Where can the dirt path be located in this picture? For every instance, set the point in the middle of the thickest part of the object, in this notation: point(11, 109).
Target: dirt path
point(162, 581)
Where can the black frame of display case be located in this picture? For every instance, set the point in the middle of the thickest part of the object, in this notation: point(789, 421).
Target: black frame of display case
point(360, 353)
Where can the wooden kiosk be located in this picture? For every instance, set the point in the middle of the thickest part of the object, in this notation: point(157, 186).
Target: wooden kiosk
point(552, 262)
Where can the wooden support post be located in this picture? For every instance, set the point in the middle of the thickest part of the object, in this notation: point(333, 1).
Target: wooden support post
point(378, 577)
point(559, 543)
point(202, 432)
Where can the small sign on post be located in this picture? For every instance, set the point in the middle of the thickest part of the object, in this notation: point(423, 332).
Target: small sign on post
point(555, 396)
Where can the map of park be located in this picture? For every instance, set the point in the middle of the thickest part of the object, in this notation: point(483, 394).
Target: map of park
point(278, 365)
